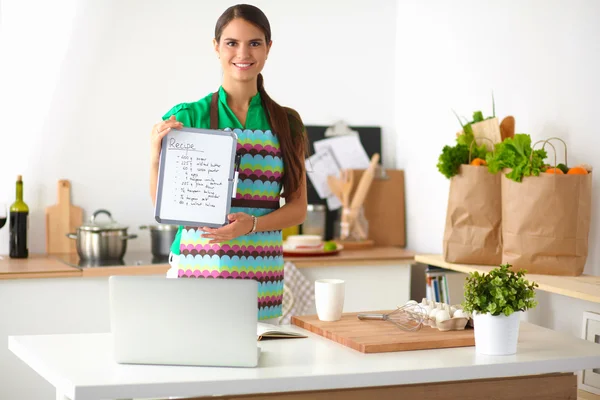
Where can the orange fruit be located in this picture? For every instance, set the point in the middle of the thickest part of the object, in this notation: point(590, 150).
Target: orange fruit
point(577, 171)
point(478, 162)
point(554, 171)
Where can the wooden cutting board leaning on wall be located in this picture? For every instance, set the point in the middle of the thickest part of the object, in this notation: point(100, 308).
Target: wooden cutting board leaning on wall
point(62, 218)
point(384, 207)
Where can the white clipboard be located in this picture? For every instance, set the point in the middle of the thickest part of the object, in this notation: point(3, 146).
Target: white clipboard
point(196, 177)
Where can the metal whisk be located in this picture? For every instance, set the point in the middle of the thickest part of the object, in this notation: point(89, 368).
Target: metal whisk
point(409, 317)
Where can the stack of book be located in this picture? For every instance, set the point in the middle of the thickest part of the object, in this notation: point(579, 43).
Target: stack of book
point(444, 285)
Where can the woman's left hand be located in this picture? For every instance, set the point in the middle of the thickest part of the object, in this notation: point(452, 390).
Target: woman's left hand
point(239, 225)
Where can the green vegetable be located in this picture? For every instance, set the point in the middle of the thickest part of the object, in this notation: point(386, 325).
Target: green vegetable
point(477, 151)
point(563, 168)
point(452, 157)
point(501, 291)
point(515, 153)
point(330, 246)
point(477, 117)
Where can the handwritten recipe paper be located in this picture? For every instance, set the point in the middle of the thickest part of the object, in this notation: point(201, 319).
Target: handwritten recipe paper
point(196, 177)
point(347, 150)
point(318, 167)
point(332, 155)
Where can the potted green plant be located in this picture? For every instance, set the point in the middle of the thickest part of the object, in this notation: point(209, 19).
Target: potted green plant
point(496, 300)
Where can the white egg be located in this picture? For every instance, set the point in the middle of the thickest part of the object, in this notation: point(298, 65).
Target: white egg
point(442, 315)
point(433, 312)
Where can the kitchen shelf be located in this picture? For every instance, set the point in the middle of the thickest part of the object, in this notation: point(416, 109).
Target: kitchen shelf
point(583, 395)
point(583, 287)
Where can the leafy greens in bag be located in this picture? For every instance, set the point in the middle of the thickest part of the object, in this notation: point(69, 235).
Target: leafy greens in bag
point(515, 153)
point(452, 157)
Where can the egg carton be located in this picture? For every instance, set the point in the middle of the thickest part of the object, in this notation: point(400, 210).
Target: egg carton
point(445, 317)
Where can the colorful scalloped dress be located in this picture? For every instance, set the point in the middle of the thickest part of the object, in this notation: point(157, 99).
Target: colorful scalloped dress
point(259, 255)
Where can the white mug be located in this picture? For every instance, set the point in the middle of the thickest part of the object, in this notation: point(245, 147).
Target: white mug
point(329, 299)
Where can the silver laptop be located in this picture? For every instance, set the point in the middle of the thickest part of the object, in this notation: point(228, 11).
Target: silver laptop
point(202, 322)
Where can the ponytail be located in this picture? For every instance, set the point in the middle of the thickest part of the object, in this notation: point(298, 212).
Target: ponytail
point(288, 126)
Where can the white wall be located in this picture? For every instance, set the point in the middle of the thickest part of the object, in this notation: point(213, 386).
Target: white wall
point(87, 80)
point(542, 60)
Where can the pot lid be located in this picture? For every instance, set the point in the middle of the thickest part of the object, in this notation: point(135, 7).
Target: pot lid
point(96, 226)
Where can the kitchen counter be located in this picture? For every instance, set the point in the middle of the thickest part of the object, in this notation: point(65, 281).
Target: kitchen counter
point(36, 266)
point(47, 266)
point(80, 367)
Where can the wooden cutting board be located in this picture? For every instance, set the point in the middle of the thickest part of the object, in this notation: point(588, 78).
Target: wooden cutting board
point(62, 218)
point(382, 336)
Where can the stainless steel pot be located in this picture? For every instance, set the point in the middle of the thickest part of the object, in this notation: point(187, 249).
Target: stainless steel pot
point(162, 237)
point(100, 241)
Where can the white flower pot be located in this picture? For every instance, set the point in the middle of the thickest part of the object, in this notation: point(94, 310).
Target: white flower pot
point(496, 335)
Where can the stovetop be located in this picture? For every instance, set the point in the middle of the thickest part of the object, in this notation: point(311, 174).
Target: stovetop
point(130, 259)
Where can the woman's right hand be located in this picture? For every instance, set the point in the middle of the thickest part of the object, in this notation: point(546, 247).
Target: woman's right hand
point(158, 132)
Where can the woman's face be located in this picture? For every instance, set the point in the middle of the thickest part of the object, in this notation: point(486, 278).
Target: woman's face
point(242, 50)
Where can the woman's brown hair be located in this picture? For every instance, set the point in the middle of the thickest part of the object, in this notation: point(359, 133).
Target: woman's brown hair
point(285, 122)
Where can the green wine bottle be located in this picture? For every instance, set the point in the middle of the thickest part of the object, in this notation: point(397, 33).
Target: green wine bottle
point(19, 224)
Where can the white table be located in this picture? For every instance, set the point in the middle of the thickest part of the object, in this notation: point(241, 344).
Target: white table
point(80, 366)
point(44, 306)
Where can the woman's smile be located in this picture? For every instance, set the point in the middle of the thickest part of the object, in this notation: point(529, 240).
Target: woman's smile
point(243, 66)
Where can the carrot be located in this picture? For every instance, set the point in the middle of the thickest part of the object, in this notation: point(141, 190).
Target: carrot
point(478, 162)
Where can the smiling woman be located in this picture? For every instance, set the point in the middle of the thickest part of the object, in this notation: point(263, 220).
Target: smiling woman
point(271, 148)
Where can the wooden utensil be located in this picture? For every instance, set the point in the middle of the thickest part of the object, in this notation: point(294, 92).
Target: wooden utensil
point(380, 336)
point(363, 187)
point(346, 179)
point(507, 127)
point(62, 218)
point(341, 188)
point(335, 185)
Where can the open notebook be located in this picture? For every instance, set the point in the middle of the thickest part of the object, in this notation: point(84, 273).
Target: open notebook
point(268, 331)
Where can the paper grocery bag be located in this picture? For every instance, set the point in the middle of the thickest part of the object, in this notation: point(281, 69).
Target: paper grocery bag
point(546, 222)
point(473, 218)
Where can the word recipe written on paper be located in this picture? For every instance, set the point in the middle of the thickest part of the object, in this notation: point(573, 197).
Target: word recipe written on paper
point(197, 183)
